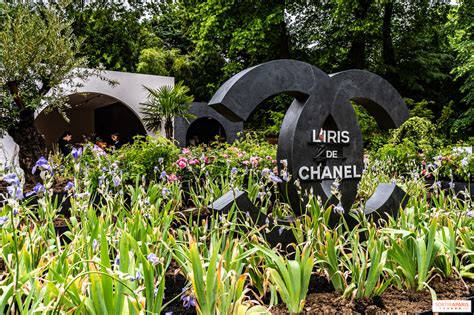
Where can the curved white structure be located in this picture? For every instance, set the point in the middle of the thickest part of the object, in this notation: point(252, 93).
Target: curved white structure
point(97, 97)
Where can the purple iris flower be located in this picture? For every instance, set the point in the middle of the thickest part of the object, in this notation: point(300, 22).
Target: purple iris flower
point(233, 170)
point(3, 220)
point(137, 277)
point(116, 180)
point(15, 192)
point(275, 179)
point(95, 244)
point(43, 164)
point(188, 300)
point(69, 186)
point(265, 172)
point(165, 191)
point(75, 152)
point(280, 230)
point(153, 259)
point(163, 175)
point(12, 179)
point(36, 190)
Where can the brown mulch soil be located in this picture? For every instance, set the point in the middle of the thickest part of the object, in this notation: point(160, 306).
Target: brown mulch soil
point(60, 183)
point(391, 301)
point(3, 187)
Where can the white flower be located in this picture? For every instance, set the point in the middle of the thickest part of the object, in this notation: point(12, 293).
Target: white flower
point(339, 208)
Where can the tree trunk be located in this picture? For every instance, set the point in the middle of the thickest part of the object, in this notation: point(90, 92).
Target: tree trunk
point(356, 56)
point(169, 129)
point(284, 38)
point(284, 42)
point(30, 141)
point(388, 52)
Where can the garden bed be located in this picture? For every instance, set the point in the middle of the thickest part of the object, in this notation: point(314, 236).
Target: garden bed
point(456, 187)
point(392, 301)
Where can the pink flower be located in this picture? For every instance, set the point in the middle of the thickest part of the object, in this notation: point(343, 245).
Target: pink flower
point(254, 161)
point(205, 159)
point(240, 154)
point(172, 177)
point(193, 162)
point(186, 151)
point(245, 162)
point(275, 170)
point(225, 156)
point(268, 157)
point(182, 163)
point(274, 161)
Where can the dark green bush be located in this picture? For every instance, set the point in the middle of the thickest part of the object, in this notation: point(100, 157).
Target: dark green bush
point(146, 153)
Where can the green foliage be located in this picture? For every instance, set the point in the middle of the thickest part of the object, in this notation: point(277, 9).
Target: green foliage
point(446, 119)
point(122, 239)
point(420, 109)
point(461, 36)
point(37, 52)
point(112, 34)
point(372, 135)
point(290, 277)
point(277, 120)
point(417, 130)
point(165, 63)
point(367, 267)
point(413, 256)
point(144, 154)
point(464, 125)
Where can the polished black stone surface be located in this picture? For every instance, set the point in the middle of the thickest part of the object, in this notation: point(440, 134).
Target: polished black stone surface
point(235, 200)
point(202, 110)
point(387, 200)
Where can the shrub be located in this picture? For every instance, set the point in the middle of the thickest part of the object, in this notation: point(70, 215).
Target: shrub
point(146, 153)
point(418, 130)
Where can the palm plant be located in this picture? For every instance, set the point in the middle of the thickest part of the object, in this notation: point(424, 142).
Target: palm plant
point(164, 104)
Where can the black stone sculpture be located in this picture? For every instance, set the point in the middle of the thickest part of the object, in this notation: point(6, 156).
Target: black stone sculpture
point(320, 137)
point(279, 230)
point(386, 200)
point(202, 110)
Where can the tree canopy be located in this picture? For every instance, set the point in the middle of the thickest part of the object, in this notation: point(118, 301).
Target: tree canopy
point(424, 48)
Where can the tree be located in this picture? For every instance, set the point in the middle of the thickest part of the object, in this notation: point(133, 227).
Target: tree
point(461, 27)
point(229, 36)
point(404, 41)
point(37, 64)
point(164, 104)
point(113, 34)
point(165, 62)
